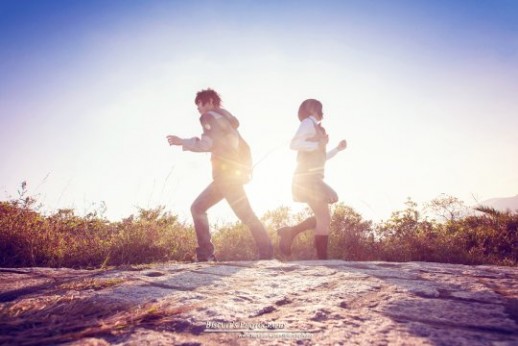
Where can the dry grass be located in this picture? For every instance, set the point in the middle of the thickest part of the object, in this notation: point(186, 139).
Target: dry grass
point(63, 239)
point(57, 319)
point(90, 283)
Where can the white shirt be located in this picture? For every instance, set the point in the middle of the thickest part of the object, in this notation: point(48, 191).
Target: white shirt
point(307, 130)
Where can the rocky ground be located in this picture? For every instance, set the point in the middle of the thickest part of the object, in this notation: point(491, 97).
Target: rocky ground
point(264, 302)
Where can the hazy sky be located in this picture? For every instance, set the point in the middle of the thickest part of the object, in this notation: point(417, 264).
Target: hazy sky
point(425, 92)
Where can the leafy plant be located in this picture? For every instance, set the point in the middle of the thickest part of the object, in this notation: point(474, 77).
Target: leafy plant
point(64, 239)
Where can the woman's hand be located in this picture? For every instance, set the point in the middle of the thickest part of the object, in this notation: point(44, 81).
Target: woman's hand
point(342, 145)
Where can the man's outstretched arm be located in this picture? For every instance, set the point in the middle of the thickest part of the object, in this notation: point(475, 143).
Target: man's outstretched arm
point(192, 144)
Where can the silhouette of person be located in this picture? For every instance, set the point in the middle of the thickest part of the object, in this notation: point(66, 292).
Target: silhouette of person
point(231, 169)
point(308, 184)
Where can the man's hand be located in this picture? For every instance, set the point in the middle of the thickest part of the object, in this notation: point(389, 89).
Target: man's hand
point(174, 140)
point(342, 145)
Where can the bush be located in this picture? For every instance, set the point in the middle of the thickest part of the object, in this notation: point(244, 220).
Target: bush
point(64, 239)
point(350, 237)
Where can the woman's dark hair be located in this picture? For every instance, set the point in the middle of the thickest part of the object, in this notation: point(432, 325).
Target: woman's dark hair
point(309, 107)
point(205, 96)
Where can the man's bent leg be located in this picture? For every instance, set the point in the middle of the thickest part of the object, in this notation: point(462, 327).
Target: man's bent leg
point(238, 201)
point(208, 198)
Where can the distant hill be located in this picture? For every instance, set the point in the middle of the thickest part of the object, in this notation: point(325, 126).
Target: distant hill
point(502, 204)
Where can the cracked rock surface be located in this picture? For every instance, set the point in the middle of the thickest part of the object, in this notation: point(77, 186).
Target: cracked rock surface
point(264, 302)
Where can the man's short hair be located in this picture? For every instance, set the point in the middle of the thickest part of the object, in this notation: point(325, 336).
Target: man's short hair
point(206, 95)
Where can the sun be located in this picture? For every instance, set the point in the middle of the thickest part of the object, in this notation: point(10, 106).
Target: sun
point(270, 186)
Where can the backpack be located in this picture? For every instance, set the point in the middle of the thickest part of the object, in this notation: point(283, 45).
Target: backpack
point(242, 160)
point(245, 155)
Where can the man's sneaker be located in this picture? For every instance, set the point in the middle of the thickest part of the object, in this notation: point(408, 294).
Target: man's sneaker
point(211, 258)
point(266, 252)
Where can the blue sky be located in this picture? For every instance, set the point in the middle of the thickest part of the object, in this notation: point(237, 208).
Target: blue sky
point(424, 92)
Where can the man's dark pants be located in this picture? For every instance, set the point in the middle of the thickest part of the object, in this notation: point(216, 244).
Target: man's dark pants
point(234, 193)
